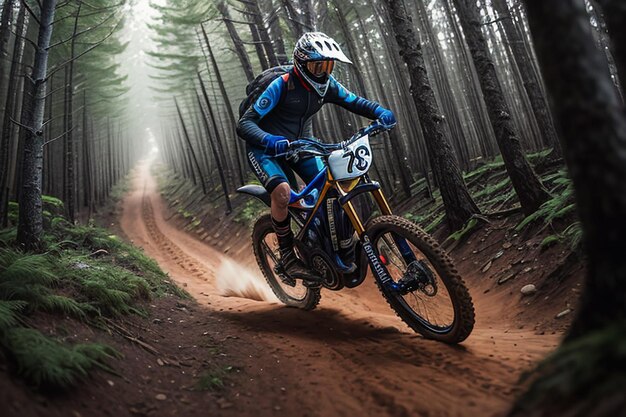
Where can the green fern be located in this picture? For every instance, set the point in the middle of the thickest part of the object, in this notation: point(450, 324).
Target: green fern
point(9, 313)
point(110, 289)
point(28, 268)
point(51, 201)
point(573, 234)
point(492, 189)
point(557, 207)
point(549, 241)
point(59, 304)
point(497, 164)
point(43, 361)
point(13, 212)
point(7, 237)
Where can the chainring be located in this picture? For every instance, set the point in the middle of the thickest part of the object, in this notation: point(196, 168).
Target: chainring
point(320, 262)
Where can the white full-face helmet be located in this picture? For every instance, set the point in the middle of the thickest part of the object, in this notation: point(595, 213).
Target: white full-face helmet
point(314, 57)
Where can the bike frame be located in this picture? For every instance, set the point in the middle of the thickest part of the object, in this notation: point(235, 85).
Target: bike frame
point(325, 182)
point(346, 191)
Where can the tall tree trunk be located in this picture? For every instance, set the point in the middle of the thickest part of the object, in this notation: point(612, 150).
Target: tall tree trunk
point(615, 15)
point(240, 49)
point(395, 137)
point(276, 34)
point(256, 19)
point(457, 201)
point(532, 83)
point(594, 141)
point(5, 34)
point(593, 134)
point(527, 185)
point(109, 153)
point(6, 140)
point(258, 47)
point(88, 185)
point(355, 56)
point(229, 108)
point(308, 17)
point(459, 142)
point(470, 81)
point(70, 175)
point(48, 149)
point(211, 137)
point(219, 146)
point(190, 147)
point(30, 226)
point(294, 19)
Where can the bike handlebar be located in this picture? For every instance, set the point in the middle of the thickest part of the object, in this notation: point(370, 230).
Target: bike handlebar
point(314, 148)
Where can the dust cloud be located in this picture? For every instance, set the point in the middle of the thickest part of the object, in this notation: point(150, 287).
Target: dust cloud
point(233, 280)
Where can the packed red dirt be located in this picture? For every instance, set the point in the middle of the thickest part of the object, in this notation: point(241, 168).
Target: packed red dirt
point(350, 356)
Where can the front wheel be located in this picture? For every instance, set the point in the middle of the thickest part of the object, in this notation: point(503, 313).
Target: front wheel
point(291, 292)
point(425, 289)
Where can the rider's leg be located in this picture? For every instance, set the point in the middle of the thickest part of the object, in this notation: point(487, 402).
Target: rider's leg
point(275, 178)
point(281, 220)
point(280, 201)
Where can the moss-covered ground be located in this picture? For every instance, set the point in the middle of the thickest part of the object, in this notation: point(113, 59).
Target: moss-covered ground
point(86, 274)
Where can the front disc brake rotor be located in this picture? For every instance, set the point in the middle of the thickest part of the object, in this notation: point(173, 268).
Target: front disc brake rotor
point(418, 276)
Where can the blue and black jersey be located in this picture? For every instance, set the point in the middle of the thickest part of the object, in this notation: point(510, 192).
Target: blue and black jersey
point(288, 104)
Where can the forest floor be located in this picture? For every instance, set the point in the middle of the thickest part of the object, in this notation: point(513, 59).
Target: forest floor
point(234, 350)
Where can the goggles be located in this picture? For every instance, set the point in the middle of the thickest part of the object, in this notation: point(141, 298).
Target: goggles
point(319, 68)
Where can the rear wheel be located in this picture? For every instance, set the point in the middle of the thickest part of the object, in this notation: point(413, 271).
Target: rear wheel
point(291, 292)
point(427, 292)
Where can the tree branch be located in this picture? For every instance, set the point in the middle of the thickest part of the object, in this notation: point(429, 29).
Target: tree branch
point(29, 10)
point(60, 136)
point(57, 68)
point(33, 44)
point(77, 34)
point(92, 13)
point(30, 129)
point(237, 21)
point(496, 20)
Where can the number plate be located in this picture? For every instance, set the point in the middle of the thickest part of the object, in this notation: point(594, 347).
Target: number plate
point(351, 162)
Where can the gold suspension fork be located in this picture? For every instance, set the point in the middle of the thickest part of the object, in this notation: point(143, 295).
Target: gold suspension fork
point(385, 209)
point(354, 218)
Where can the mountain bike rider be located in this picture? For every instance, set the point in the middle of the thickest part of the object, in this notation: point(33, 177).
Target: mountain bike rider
point(283, 113)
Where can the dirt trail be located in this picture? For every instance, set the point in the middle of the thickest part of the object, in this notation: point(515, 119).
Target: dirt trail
point(351, 356)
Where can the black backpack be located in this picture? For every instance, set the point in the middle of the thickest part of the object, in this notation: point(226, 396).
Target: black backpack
point(259, 84)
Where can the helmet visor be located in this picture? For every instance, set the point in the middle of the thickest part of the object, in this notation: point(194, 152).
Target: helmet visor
point(320, 68)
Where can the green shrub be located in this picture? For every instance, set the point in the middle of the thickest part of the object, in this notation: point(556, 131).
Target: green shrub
point(45, 362)
point(560, 205)
point(85, 273)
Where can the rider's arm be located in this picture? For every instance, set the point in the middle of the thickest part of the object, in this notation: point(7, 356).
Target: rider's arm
point(338, 94)
point(248, 126)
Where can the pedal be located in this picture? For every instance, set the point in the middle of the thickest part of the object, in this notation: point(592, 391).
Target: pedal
point(286, 279)
point(311, 284)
